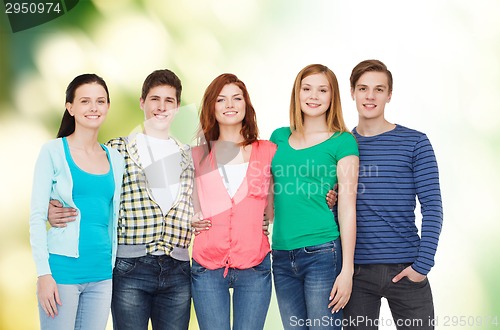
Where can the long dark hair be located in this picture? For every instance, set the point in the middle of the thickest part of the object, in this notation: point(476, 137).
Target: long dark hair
point(68, 122)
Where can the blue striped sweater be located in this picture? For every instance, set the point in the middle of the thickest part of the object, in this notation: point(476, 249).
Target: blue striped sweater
point(395, 168)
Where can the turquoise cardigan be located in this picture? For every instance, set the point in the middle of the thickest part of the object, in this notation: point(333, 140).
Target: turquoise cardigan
point(52, 180)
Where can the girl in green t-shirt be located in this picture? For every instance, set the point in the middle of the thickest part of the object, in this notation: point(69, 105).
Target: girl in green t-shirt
point(312, 269)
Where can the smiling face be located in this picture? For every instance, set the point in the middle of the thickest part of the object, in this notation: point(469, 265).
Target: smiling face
point(160, 107)
point(230, 106)
point(371, 93)
point(90, 106)
point(315, 95)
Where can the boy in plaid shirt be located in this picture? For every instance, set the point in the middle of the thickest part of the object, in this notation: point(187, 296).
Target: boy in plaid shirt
point(151, 278)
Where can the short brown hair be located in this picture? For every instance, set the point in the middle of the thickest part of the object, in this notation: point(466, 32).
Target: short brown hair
point(370, 66)
point(160, 78)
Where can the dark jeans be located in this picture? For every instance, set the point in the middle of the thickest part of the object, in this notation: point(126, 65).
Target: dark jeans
point(151, 287)
point(410, 302)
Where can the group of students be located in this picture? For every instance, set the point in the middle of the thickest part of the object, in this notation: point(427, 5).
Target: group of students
point(122, 214)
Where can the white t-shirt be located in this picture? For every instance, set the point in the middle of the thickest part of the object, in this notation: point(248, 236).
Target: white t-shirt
point(161, 160)
point(232, 176)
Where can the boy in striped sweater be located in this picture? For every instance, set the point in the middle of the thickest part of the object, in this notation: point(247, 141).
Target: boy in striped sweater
point(397, 164)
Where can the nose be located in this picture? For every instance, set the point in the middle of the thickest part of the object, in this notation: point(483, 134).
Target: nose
point(162, 106)
point(370, 94)
point(314, 94)
point(229, 104)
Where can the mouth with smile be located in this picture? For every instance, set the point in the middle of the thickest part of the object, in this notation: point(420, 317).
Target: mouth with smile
point(313, 105)
point(369, 106)
point(92, 117)
point(230, 113)
point(160, 116)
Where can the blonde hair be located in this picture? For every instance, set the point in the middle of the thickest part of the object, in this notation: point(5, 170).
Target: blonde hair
point(334, 117)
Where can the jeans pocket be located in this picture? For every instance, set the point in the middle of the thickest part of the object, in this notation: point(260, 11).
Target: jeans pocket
point(418, 284)
point(320, 248)
point(196, 268)
point(264, 266)
point(124, 266)
point(185, 267)
point(357, 270)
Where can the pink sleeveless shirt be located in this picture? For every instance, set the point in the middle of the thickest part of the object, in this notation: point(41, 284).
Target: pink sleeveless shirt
point(235, 239)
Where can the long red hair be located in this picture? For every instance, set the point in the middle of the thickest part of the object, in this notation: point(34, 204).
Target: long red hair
point(209, 126)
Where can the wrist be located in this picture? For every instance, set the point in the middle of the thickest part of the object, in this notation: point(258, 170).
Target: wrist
point(349, 270)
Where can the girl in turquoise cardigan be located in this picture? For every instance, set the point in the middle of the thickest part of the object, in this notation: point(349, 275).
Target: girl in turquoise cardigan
point(74, 264)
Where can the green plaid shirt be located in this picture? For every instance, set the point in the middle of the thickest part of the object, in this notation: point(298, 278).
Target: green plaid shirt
point(141, 220)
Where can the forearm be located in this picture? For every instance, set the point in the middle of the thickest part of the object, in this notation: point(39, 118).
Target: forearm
point(195, 199)
point(348, 181)
point(40, 196)
point(430, 232)
point(38, 240)
point(269, 210)
point(429, 195)
point(347, 223)
point(348, 239)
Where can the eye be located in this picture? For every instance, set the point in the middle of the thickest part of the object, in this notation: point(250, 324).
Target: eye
point(85, 101)
point(238, 98)
point(305, 89)
point(362, 89)
point(101, 102)
point(324, 91)
point(380, 90)
point(220, 100)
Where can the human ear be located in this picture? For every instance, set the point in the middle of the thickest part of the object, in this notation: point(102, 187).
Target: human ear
point(68, 108)
point(141, 103)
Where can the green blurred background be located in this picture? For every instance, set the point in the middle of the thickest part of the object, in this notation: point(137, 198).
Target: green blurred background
point(444, 55)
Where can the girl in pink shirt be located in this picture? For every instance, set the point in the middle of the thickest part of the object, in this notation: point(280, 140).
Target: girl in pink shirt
point(233, 179)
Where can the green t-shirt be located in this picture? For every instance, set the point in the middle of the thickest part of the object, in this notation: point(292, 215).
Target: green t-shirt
point(302, 179)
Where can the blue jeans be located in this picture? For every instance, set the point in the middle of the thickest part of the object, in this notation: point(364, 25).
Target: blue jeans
point(410, 302)
point(84, 307)
point(251, 296)
point(303, 279)
point(151, 287)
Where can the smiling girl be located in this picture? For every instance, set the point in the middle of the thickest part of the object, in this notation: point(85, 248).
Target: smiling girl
point(312, 269)
point(232, 192)
point(74, 264)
